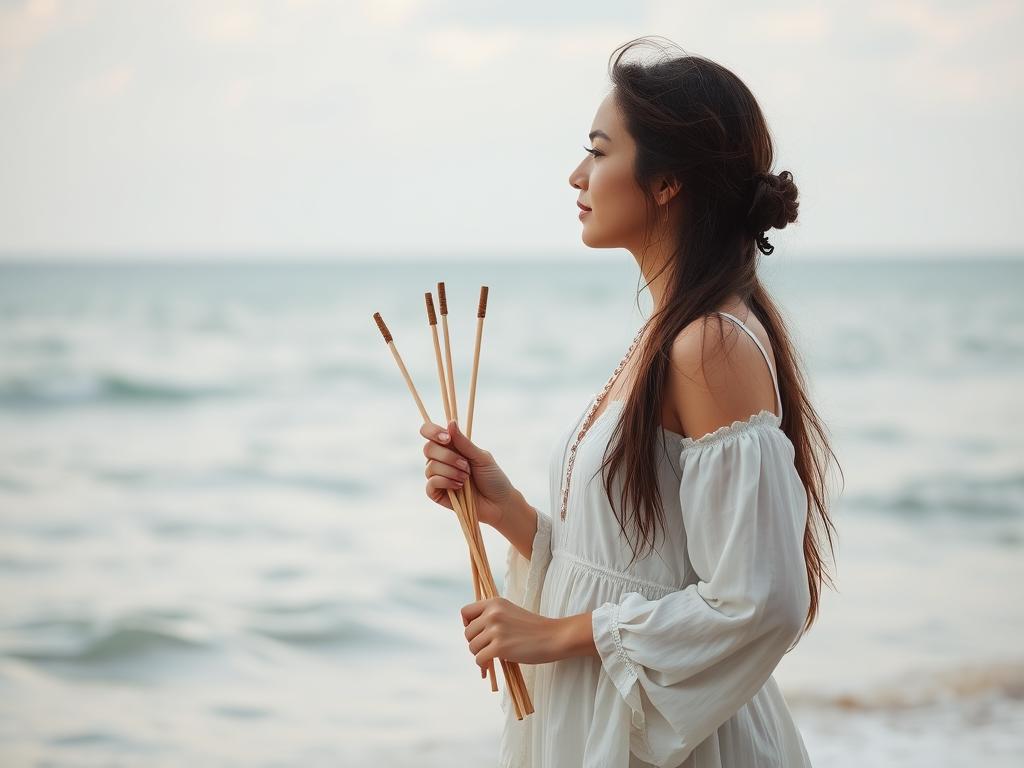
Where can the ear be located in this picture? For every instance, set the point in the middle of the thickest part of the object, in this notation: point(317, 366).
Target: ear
point(666, 188)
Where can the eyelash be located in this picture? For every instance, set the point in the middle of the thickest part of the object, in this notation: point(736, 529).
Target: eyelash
point(594, 152)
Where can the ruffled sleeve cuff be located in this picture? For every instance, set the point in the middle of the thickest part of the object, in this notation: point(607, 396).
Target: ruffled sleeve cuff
point(524, 578)
point(617, 665)
point(605, 625)
point(524, 582)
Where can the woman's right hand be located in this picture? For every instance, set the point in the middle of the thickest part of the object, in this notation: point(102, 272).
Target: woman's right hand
point(451, 461)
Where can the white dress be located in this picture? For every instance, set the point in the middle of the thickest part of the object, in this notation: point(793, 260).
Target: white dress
point(688, 636)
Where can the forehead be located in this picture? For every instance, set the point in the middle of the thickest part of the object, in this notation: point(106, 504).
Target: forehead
point(607, 117)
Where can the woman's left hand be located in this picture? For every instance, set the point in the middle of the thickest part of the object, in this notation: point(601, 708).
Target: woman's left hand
point(497, 628)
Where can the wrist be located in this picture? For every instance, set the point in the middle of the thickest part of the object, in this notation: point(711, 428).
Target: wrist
point(513, 504)
point(576, 636)
point(518, 523)
point(511, 511)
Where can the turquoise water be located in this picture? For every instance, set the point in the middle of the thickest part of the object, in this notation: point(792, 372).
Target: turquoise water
point(215, 547)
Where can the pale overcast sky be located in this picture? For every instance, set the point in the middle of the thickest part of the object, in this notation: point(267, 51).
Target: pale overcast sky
point(137, 127)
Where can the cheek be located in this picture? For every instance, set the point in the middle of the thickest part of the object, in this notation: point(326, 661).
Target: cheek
point(616, 199)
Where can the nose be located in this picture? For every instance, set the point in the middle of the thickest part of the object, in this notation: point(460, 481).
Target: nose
point(578, 179)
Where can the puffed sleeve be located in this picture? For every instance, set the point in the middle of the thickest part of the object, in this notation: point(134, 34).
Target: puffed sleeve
point(687, 662)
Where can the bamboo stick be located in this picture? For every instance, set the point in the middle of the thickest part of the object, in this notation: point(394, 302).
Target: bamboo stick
point(481, 313)
point(513, 677)
point(478, 589)
point(460, 513)
point(470, 494)
point(490, 590)
point(442, 302)
point(512, 674)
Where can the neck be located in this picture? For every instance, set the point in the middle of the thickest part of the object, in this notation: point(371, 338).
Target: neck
point(654, 263)
point(655, 259)
point(657, 277)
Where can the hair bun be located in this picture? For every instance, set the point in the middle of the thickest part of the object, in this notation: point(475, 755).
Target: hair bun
point(774, 206)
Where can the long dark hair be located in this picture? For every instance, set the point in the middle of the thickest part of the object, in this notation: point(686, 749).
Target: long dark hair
point(695, 121)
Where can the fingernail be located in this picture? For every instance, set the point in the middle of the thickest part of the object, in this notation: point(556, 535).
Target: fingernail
point(443, 437)
point(463, 463)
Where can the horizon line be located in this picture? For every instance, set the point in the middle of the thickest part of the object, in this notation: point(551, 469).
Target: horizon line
point(350, 256)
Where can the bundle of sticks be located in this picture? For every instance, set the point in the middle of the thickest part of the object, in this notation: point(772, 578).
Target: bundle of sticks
point(463, 500)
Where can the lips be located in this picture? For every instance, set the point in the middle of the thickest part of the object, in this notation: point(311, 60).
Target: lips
point(582, 206)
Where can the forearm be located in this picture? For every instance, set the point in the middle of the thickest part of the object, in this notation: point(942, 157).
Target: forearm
point(519, 524)
point(576, 636)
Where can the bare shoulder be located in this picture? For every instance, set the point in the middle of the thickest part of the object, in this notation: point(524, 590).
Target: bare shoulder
point(717, 376)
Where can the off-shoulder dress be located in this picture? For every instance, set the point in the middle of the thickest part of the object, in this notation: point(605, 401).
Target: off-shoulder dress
point(689, 635)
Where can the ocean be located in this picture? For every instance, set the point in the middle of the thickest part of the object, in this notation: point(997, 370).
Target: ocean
point(215, 546)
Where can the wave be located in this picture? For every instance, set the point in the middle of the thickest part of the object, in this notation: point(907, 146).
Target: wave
point(83, 643)
point(115, 643)
point(968, 496)
point(317, 622)
point(345, 486)
point(420, 593)
point(999, 680)
point(326, 632)
point(103, 388)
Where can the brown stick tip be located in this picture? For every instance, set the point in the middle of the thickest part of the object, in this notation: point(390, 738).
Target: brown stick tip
point(383, 328)
point(431, 317)
point(482, 309)
point(442, 300)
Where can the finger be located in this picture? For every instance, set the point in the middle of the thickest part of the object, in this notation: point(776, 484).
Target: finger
point(481, 641)
point(435, 432)
point(446, 470)
point(471, 611)
point(485, 654)
point(434, 451)
point(465, 446)
point(474, 628)
point(438, 487)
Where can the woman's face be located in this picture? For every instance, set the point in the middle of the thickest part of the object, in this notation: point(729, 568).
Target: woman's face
point(606, 185)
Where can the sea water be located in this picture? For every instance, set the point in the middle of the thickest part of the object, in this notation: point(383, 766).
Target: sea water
point(215, 546)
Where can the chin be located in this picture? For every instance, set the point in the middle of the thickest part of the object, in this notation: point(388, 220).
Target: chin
point(595, 241)
point(588, 237)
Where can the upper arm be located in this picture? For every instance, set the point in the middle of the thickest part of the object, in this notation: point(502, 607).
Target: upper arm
point(715, 378)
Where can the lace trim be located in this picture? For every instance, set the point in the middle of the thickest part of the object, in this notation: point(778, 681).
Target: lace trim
point(618, 642)
point(738, 427)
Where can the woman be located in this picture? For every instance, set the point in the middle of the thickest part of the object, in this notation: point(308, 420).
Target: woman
point(665, 656)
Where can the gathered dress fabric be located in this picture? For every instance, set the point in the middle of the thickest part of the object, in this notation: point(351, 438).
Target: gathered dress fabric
point(688, 635)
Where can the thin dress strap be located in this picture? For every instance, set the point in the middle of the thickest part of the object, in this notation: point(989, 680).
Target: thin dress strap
point(775, 382)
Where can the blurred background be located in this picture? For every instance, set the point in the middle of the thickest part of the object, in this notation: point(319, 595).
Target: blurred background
point(215, 548)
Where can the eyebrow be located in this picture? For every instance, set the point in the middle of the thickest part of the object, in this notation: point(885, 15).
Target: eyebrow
point(600, 133)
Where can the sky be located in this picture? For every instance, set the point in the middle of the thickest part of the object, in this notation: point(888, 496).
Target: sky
point(136, 128)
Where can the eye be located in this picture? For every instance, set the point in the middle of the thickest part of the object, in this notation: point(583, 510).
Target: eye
point(594, 152)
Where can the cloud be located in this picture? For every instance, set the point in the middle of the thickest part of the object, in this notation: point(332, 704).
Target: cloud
point(231, 21)
point(22, 25)
point(208, 124)
point(806, 24)
point(466, 48)
point(957, 23)
point(957, 55)
point(390, 12)
point(108, 85)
